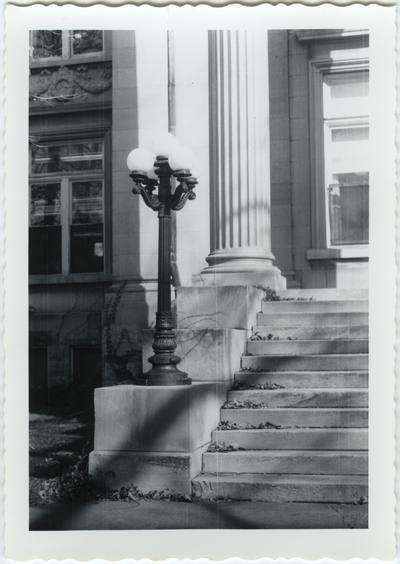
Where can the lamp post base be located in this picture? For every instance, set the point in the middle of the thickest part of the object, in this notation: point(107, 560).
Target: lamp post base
point(144, 381)
point(176, 378)
point(164, 373)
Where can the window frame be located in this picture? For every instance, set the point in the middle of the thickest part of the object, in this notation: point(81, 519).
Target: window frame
point(321, 237)
point(65, 181)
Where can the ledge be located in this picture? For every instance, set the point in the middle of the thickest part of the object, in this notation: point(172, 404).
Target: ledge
point(320, 34)
point(353, 252)
point(100, 277)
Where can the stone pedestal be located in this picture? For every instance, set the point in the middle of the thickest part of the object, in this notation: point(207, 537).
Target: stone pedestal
point(152, 437)
point(239, 162)
point(217, 307)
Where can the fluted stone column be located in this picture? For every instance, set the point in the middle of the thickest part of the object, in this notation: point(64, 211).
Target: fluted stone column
point(239, 162)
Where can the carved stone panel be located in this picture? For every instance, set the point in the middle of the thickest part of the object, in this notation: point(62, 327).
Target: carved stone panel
point(69, 85)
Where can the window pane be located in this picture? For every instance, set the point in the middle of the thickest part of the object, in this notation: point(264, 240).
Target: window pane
point(346, 94)
point(349, 151)
point(87, 248)
point(77, 157)
point(87, 202)
point(45, 205)
point(349, 209)
point(45, 250)
point(87, 41)
point(46, 43)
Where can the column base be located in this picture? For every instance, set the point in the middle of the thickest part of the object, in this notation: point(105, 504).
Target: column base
point(241, 272)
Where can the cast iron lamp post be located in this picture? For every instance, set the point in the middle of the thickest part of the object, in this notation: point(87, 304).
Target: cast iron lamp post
point(147, 175)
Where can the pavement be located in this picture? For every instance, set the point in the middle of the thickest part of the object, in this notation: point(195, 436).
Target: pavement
point(151, 515)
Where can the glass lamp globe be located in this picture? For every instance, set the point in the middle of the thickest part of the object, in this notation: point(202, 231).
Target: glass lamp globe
point(181, 158)
point(197, 168)
point(164, 143)
point(140, 159)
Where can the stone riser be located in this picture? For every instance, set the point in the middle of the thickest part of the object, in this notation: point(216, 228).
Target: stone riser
point(306, 362)
point(332, 379)
point(313, 331)
point(315, 306)
point(302, 319)
point(295, 439)
point(308, 417)
point(282, 488)
point(296, 347)
point(303, 398)
point(294, 462)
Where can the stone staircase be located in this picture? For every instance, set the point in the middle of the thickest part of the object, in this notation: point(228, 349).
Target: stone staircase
point(304, 379)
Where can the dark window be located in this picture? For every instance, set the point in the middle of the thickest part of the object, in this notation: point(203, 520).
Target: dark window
point(66, 220)
point(86, 367)
point(74, 157)
point(38, 368)
point(46, 43)
point(86, 41)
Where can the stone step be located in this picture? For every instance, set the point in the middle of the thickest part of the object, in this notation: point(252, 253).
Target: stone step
point(304, 319)
point(313, 331)
point(324, 379)
point(291, 461)
point(282, 487)
point(296, 347)
point(299, 417)
point(295, 439)
point(328, 294)
point(308, 306)
point(316, 362)
point(340, 397)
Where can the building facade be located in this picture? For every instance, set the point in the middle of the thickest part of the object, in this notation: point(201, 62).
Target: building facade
point(280, 121)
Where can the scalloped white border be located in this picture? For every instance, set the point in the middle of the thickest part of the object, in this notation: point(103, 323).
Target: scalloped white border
point(376, 542)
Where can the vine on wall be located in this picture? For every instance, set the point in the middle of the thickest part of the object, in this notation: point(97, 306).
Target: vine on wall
point(121, 362)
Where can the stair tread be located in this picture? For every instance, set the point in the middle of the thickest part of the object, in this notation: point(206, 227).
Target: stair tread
point(285, 478)
point(301, 372)
point(308, 341)
point(305, 390)
point(306, 409)
point(302, 430)
point(289, 452)
point(308, 355)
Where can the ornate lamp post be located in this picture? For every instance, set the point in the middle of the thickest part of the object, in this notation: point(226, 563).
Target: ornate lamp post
point(147, 176)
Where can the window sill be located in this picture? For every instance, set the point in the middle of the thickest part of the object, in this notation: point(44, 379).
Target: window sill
point(88, 278)
point(360, 251)
point(77, 60)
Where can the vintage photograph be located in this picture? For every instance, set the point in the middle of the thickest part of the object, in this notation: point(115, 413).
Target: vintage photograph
point(199, 277)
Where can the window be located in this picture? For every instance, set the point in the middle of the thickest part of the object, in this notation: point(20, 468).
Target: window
point(67, 208)
point(346, 144)
point(86, 367)
point(65, 44)
point(339, 92)
point(38, 370)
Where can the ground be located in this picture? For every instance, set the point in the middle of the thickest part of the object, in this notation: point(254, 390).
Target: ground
point(60, 435)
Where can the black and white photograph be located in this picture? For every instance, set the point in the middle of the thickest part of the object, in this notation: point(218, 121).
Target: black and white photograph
point(205, 341)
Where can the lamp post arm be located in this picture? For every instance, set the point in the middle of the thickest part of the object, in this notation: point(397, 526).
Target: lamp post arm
point(183, 192)
point(146, 191)
point(181, 195)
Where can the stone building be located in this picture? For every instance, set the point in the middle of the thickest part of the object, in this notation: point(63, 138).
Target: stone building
point(280, 123)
